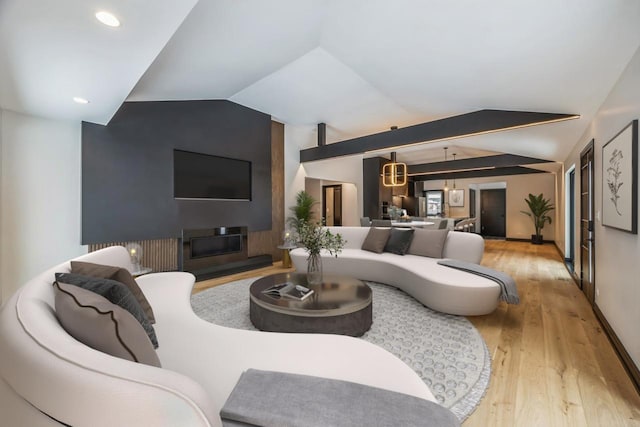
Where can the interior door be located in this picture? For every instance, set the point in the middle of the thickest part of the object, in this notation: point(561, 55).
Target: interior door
point(492, 212)
point(472, 203)
point(570, 257)
point(332, 204)
point(587, 252)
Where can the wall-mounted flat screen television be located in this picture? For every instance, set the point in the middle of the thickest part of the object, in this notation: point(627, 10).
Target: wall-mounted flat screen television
point(202, 176)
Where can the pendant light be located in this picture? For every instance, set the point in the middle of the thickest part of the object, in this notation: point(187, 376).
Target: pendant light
point(394, 174)
point(445, 159)
point(454, 178)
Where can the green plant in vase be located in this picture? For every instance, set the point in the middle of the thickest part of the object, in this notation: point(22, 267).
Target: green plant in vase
point(313, 236)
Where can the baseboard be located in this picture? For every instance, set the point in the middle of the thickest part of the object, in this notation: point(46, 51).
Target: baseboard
point(575, 278)
point(625, 358)
point(514, 239)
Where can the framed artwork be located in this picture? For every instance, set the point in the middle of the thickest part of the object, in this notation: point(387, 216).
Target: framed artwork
point(456, 198)
point(620, 180)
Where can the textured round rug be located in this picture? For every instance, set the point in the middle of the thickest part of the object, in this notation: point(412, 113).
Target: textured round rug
point(446, 351)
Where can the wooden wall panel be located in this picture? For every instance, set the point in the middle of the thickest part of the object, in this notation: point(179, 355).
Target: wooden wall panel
point(266, 242)
point(159, 255)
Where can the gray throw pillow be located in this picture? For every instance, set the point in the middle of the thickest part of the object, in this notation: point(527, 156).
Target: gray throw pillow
point(119, 274)
point(376, 239)
point(429, 243)
point(115, 292)
point(98, 323)
point(399, 241)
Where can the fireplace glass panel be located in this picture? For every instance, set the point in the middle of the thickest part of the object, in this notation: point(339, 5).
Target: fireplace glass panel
point(215, 245)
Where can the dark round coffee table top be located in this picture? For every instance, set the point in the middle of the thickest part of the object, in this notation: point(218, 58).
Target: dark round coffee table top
point(335, 296)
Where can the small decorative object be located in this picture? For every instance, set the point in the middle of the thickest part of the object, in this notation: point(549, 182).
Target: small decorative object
point(314, 238)
point(539, 207)
point(394, 212)
point(135, 252)
point(456, 198)
point(620, 180)
point(288, 243)
point(288, 239)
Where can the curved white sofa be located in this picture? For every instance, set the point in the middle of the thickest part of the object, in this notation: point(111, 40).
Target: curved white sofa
point(438, 287)
point(43, 370)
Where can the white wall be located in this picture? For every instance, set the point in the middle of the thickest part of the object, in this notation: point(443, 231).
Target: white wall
point(344, 170)
point(39, 196)
point(314, 188)
point(518, 187)
point(295, 138)
point(617, 253)
point(350, 213)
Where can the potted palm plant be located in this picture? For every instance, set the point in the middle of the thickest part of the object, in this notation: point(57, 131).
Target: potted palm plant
point(539, 207)
point(312, 236)
point(302, 210)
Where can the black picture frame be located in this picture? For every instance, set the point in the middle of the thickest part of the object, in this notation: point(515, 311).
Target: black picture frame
point(620, 180)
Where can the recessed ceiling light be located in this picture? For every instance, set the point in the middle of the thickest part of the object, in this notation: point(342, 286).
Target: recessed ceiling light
point(108, 19)
point(80, 100)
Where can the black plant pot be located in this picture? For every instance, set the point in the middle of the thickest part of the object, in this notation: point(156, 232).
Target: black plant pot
point(536, 239)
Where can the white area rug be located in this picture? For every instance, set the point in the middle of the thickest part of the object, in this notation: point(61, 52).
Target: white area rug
point(446, 351)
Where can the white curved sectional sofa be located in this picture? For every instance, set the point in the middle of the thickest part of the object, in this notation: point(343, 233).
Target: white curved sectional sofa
point(437, 287)
point(48, 378)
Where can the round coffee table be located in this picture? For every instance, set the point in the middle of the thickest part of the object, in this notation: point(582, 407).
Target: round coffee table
point(339, 305)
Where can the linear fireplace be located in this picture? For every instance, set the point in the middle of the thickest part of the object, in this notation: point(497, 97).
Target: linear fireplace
point(202, 247)
point(217, 251)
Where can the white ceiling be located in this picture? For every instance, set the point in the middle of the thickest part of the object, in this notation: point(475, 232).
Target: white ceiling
point(52, 51)
point(360, 66)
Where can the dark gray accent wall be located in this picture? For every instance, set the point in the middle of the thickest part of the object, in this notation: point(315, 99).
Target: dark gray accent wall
point(127, 169)
point(373, 192)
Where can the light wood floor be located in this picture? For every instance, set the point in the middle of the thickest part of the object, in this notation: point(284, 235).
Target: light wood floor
point(552, 365)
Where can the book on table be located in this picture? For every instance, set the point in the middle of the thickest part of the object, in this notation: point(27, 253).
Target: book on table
point(289, 290)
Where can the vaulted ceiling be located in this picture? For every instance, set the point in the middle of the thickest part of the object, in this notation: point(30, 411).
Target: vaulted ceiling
point(360, 66)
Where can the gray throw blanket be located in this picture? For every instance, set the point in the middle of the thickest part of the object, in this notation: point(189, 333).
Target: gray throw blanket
point(266, 398)
point(508, 290)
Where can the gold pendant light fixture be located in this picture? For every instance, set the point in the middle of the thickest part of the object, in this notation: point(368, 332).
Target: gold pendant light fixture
point(394, 174)
point(446, 188)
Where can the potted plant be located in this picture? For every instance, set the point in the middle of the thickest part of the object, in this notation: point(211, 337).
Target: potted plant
point(539, 207)
point(313, 236)
point(302, 210)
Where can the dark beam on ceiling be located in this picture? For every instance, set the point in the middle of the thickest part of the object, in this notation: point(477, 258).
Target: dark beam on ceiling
point(511, 170)
point(499, 160)
point(477, 122)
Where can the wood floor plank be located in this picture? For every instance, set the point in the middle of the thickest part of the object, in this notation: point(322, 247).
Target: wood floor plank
point(532, 390)
point(562, 377)
point(552, 364)
point(582, 377)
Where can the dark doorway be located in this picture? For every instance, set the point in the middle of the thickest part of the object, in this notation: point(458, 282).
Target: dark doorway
point(472, 203)
point(492, 212)
point(332, 204)
point(587, 252)
point(569, 258)
point(472, 209)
